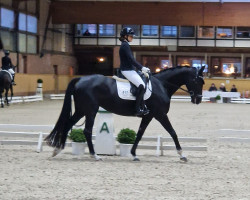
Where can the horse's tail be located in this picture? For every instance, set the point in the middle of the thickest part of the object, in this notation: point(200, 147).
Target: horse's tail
point(58, 135)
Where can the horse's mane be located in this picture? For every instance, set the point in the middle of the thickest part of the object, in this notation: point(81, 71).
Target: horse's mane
point(171, 69)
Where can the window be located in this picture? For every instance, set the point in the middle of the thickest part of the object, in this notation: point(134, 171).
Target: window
point(22, 42)
point(8, 39)
point(224, 32)
point(86, 30)
point(136, 28)
point(27, 23)
point(169, 31)
point(7, 18)
point(31, 44)
point(226, 66)
point(243, 32)
point(206, 32)
point(106, 29)
point(31, 24)
point(22, 22)
point(187, 31)
point(149, 30)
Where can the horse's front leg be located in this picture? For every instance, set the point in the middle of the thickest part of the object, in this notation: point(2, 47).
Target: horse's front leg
point(144, 123)
point(167, 125)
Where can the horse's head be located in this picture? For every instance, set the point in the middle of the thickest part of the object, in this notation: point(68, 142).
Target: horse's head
point(195, 84)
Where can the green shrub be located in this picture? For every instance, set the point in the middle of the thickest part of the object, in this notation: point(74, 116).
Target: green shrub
point(39, 80)
point(126, 136)
point(76, 135)
point(218, 97)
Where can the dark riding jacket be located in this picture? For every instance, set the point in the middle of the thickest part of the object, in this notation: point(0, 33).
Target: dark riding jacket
point(127, 59)
point(6, 63)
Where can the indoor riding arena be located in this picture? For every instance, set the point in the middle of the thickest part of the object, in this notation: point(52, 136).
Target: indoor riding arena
point(197, 50)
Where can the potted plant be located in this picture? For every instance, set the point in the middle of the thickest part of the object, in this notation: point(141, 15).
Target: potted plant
point(218, 99)
point(126, 138)
point(39, 82)
point(78, 141)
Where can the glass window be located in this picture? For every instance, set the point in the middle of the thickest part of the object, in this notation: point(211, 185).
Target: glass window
point(206, 32)
point(32, 24)
point(7, 18)
point(243, 32)
point(106, 29)
point(136, 28)
point(187, 31)
point(22, 22)
point(86, 29)
point(224, 32)
point(226, 66)
point(8, 39)
point(149, 30)
point(169, 31)
point(31, 44)
point(22, 42)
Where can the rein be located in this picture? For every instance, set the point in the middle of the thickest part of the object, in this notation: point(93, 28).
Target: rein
point(189, 92)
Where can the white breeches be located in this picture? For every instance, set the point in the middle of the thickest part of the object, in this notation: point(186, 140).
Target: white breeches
point(133, 77)
point(11, 71)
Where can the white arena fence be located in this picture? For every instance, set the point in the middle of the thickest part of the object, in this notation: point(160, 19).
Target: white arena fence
point(234, 135)
point(25, 99)
point(174, 98)
point(36, 134)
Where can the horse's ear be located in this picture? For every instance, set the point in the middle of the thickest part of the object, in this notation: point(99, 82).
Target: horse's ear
point(201, 70)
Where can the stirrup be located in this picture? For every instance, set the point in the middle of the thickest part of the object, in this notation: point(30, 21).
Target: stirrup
point(13, 83)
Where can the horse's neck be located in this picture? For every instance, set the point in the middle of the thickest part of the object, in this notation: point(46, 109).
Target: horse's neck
point(172, 79)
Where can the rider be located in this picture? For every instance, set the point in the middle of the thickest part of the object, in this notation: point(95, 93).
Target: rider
point(7, 65)
point(128, 66)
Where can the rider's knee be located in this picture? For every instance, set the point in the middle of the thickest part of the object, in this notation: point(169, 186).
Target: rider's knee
point(141, 86)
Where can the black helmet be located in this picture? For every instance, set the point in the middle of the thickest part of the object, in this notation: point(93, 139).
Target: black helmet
point(127, 31)
point(6, 52)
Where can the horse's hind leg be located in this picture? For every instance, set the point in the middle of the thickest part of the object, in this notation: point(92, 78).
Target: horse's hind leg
point(167, 125)
point(88, 134)
point(1, 97)
point(71, 122)
point(6, 97)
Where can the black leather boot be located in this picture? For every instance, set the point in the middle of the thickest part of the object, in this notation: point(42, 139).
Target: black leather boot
point(141, 109)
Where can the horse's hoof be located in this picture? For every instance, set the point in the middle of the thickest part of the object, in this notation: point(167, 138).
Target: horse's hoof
point(56, 151)
point(136, 159)
point(96, 157)
point(184, 159)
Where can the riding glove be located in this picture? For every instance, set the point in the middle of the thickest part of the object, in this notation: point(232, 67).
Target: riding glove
point(145, 70)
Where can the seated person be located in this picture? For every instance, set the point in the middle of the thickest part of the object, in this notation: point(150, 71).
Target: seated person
point(234, 89)
point(212, 88)
point(222, 87)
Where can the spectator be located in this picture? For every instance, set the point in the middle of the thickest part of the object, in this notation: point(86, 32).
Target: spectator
point(234, 89)
point(212, 88)
point(86, 33)
point(222, 87)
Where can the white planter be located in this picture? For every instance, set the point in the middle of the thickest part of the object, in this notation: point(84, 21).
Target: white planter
point(39, 85)
point(78, 148)
point(125, 149)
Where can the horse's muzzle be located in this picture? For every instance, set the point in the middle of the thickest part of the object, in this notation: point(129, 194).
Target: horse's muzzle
point(196, 99)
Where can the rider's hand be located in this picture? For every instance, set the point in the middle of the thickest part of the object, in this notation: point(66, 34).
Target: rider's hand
point(145, 70)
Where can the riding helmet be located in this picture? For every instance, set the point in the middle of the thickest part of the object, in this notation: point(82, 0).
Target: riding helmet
point(6, 52)
point(127, 31)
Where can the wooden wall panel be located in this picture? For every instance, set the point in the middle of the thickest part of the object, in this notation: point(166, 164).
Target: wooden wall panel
point(151, 13)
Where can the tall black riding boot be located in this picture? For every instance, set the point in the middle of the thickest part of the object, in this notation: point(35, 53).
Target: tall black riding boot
point(140, 105)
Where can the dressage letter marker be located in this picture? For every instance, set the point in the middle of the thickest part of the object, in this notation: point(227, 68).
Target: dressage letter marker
point(105, 140)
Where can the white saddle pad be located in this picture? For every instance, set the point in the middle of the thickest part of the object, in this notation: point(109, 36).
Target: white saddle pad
point(123, 89)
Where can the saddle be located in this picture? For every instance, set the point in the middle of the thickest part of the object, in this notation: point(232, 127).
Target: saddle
point(133, 88)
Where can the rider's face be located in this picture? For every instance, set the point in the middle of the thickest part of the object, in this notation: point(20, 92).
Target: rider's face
point(130, 38)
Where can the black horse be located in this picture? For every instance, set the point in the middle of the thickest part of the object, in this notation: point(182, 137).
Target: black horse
point(93, 91)
point(5, 84)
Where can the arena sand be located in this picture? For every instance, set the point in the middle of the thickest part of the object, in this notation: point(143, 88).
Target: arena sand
point(222, 172)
